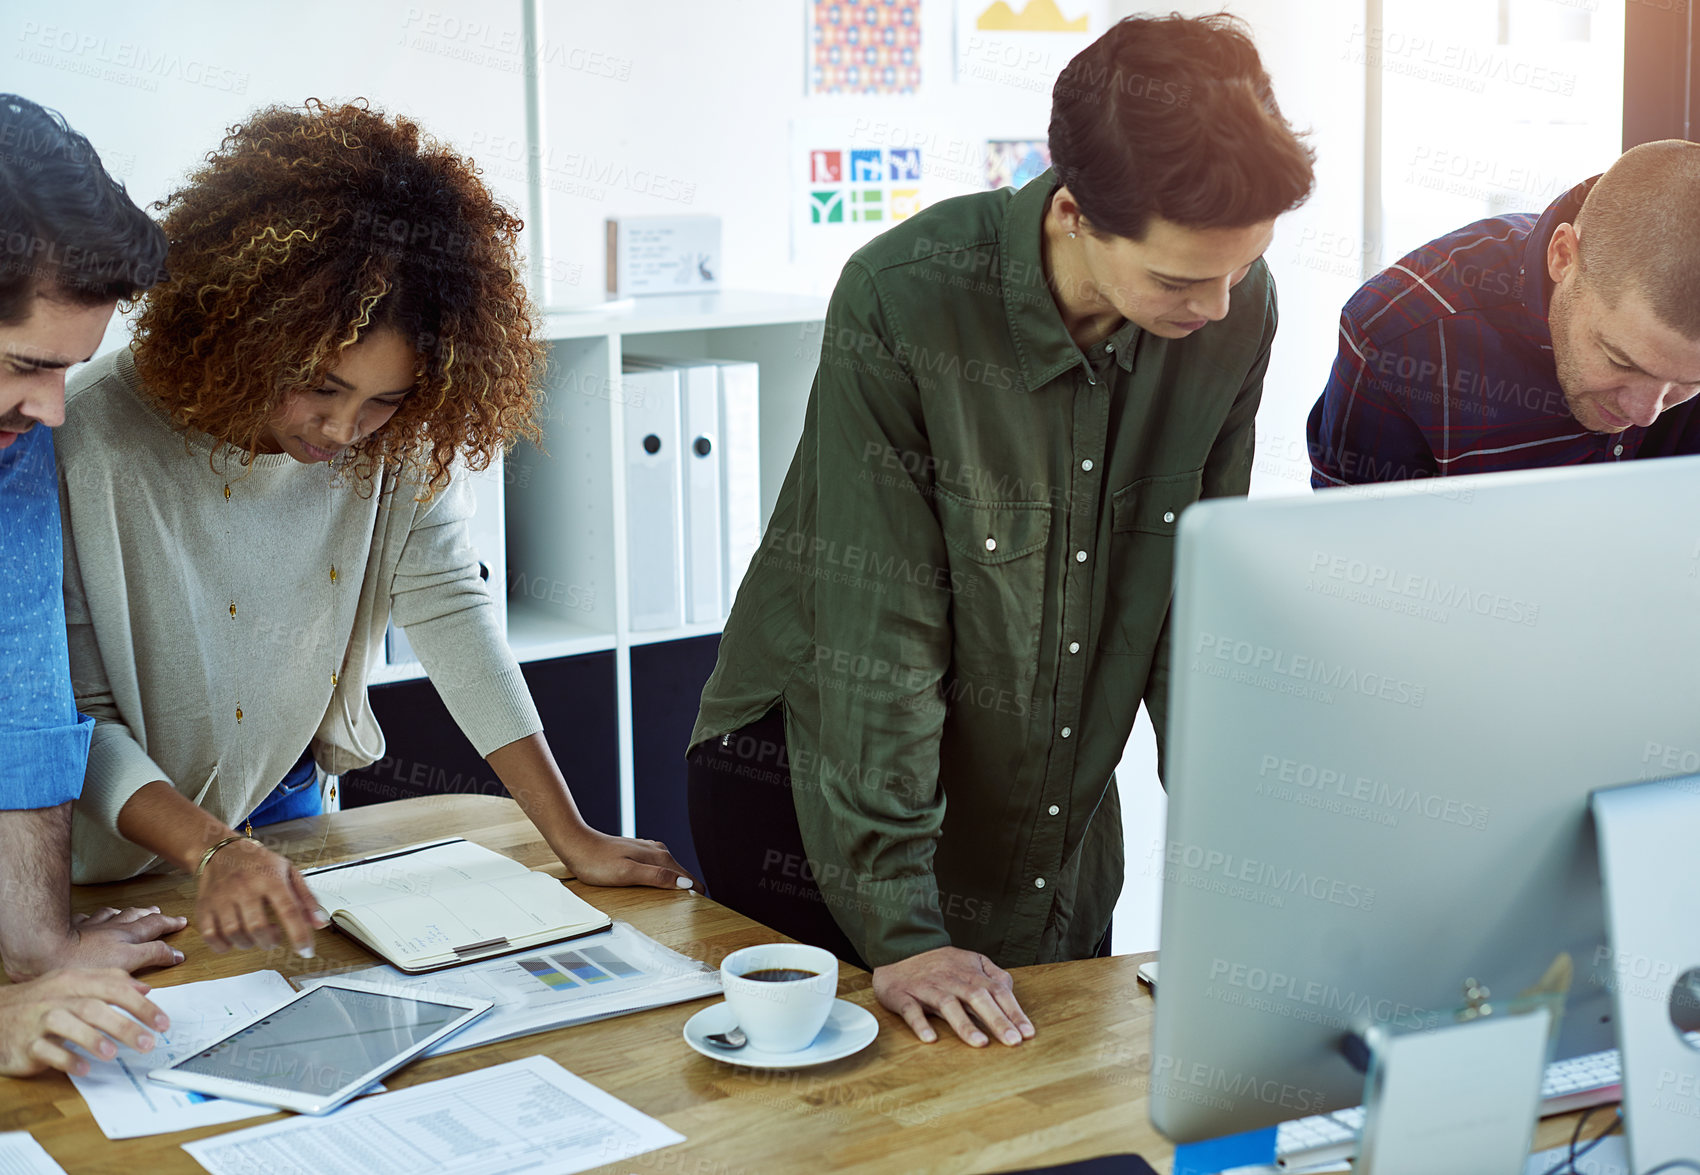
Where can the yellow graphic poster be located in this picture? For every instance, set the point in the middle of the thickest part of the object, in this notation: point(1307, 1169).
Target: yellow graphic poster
point(1037, 16)
point(1023, 44)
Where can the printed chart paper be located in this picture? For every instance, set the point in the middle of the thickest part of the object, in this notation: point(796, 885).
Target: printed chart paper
point(529, 1115)
point(574, 982)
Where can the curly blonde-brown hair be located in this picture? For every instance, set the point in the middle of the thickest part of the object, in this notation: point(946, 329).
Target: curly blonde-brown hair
point(309, 228)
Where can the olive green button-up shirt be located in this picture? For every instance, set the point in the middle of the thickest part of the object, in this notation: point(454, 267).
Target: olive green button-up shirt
point(961, 598)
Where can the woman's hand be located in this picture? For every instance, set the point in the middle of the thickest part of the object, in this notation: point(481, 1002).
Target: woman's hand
point(38, 1018)
point(527, 767)
point(248, 893)
point(600, 859)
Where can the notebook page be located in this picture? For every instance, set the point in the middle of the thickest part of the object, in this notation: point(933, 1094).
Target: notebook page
point(411, 875)
point(420, 926)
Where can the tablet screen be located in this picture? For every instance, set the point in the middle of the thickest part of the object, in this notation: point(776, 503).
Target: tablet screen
point(323, 1041)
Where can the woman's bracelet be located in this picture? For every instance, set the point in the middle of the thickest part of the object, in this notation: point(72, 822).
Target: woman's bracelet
point(208, 855)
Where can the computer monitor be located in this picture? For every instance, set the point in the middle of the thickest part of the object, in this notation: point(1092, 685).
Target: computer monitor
point(1388, 707)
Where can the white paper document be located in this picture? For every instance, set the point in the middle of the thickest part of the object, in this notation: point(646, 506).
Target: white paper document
point(127, 1105)
point(617, 971)
point(22, 1155)
point(529, 1115)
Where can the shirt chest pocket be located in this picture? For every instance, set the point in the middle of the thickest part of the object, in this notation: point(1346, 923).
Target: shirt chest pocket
point(997, 579)
point(1144, 517)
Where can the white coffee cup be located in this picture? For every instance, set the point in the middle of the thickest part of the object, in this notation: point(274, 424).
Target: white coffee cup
point(780, 1016)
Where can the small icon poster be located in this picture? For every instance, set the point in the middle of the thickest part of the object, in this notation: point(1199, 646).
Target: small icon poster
point(852, 179)
point(862, 185)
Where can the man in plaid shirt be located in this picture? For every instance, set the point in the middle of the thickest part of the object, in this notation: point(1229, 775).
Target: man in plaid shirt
point(1522, 341)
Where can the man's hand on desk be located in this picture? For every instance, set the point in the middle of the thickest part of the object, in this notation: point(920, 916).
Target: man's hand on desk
point(599, 859)
point(245, 889)
point(127, 939)
point(38, 1018)
point(960, 986)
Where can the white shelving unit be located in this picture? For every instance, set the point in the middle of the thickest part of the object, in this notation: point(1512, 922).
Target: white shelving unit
point(551, 523)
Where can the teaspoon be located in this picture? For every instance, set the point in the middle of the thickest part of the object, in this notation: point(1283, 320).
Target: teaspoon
point(732, 1038)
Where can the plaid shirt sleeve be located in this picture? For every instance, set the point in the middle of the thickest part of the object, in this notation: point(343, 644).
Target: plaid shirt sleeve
point(1358, 430)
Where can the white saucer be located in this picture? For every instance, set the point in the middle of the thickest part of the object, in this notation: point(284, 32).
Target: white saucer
point(849, 1028)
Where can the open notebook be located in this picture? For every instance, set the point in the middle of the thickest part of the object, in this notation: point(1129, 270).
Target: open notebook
point(445, 902)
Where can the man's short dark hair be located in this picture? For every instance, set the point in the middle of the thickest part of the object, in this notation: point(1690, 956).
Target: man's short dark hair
point(1175, 117)
point(67, 228)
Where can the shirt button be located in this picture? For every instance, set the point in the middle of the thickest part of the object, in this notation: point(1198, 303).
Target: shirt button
point(1080, 556)
point(1110, 347)
point(991, 544)
point(1055, 809)
point(1617, 452)
point(1074, 646)
point(1066, 731)
point(1087, 465)
point(1038, 883)
point(1168, 516)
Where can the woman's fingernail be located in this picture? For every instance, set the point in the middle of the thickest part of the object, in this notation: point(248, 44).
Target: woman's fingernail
point(683, 883)
point(144, 1042)
point(176, 956)
point(977, 1040)
point(1012, 1037)
point(305, 952)
point(161, 1022)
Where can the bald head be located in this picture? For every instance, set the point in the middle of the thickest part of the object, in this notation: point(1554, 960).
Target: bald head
point(1640, 230)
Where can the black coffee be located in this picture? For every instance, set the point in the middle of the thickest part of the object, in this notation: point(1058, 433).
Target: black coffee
point(779, 974)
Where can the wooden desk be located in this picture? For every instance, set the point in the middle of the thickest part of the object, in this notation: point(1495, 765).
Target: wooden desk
point(1075, 1091)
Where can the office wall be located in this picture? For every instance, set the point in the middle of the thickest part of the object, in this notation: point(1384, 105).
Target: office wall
point(154, 87)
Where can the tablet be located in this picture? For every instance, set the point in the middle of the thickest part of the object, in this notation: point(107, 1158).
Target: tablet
point(322, 1046)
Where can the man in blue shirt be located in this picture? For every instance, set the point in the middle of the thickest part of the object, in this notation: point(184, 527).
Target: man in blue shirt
point(72, 244)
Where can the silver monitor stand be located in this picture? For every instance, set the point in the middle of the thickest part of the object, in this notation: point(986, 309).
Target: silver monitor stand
point(1648, 835)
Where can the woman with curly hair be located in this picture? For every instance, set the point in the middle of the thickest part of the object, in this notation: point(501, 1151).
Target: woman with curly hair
point(267, 477)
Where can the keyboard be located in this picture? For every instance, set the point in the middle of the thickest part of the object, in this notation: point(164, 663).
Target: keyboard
point(1576, 1083)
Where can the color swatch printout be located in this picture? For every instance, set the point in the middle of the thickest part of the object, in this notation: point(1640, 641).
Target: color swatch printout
point(606, 974)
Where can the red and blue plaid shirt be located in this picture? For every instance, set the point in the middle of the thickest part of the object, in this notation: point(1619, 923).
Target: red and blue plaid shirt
point(1446, 367)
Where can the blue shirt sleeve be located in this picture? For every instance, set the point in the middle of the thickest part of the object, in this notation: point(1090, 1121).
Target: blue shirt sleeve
point(44, 742)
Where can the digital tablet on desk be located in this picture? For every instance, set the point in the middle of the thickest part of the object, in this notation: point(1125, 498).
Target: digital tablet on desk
point(322, 1046)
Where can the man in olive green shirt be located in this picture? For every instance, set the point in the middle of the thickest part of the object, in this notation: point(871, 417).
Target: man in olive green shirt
point(961, 598)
